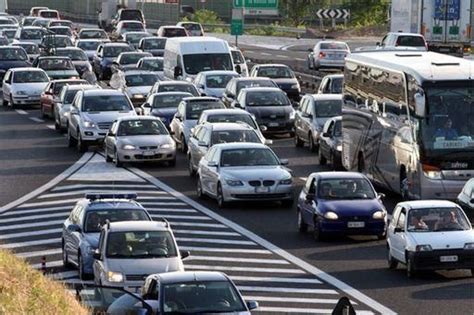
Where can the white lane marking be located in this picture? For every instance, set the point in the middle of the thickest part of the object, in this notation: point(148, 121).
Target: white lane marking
point(32, 233)
point(213, 241)
point(102, 191)
point(300, 59)
point(282, 56)
point(37, 217)
point(141, 197)
point(276, 279)
point(49, 184)
point(291, 299)
point(30, 225)
point(49, 203)
point(184, 210)
point(213, 225)
point(21, 112)
point(51, 127)
point(30, 243)
point(288, 310)
point(286, 290)
point(201, 232)
point(246, 269)
point(146, 203)
point(64, 275)
point(344, 287)
point(102, 186)
point(239, 260)
point(40, 253)
point(36, 119)
point(183, 217)
point(20, 212)
point(78, 281)
point(265, 54)
point(49, 264)
point(226, 250)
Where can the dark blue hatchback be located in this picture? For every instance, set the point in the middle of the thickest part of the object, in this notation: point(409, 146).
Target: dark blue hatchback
point(341, 203)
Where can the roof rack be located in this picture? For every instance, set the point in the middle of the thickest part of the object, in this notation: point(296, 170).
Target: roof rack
point(98, 196)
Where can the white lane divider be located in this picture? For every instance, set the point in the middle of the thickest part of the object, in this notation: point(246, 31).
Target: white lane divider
point(36, 119)
point(247, 269)
point(282, 56)
point(51, 127)
point(21, 112)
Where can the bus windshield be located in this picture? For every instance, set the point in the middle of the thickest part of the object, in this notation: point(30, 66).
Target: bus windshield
point(449, 124)
point(195, 63)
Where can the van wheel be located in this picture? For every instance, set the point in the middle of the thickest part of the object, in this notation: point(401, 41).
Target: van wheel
point(411, 272)
point(184, 147)
point(220, 197)
point(317, 233)
point(71, 141)
point(361, 164)
point(199, 191)
point(313, 147)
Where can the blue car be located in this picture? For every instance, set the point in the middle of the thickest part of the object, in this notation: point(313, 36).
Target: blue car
point(81, 230)
point(106, 54)
point(341, 203)
point(12, 57)
point(164, 105)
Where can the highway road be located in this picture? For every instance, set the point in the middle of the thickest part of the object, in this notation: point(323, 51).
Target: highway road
point(316, 273)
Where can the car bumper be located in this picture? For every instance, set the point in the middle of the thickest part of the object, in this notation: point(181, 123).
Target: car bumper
point(241, 193)
point(329, 63)
point(93, 135)
point(440, 188)
point(28, 100)
point(431, 260)
point(274, 127)
point(147, 155)
point(372, 227)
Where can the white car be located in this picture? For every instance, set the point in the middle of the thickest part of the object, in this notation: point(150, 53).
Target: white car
point(138, 84)
point(23, 86)
point(128, 26)
point(398, 40)
point(213, 83)
point(430, 235)
point(240, 62)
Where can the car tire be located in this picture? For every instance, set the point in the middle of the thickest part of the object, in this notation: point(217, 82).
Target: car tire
point(220, 197)
point(392, 262)
point(80, 267)
point(12, 104)
point(313, 147)
point(472, 273)
point(81, 145)
point(411, 272)
point(184, 147)
point(42, 113)
point(302, 226)
point(287, 203)
point(322, 159)
point(4, 102)
point(199, 191)
point(191, 170)
point(71, 141)
point(66, 262)
point(117, 161)
point(317, 233)
point(298, 142)
point(108, 159)
point(310, 64)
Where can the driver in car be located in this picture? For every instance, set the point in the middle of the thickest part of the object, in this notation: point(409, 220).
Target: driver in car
point(447, 221)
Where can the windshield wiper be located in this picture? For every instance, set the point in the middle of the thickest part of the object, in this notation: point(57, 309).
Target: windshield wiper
point(450, 229)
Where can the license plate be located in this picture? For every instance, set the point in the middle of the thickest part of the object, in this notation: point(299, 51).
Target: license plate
point(452, 258)
point(262, 189)
point(148, 153)
point(355, 224)
point(273, 124)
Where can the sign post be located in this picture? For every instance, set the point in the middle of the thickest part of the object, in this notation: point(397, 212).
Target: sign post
point(237, 24)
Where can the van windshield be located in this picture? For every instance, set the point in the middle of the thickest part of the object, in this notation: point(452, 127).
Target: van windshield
point(195, 63)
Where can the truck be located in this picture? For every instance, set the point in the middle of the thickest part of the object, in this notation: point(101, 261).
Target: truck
point(445, 24)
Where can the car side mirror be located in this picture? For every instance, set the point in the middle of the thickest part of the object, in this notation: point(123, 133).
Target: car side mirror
point(237, 105)
point(146, 105)
point(184, 254)
point(248, 60)
point(238, 69)
point(74, 228)
point(96, 255)
point(326, 134)
point(381, 195)
point(212, 164)
point(397, 230)
point(310, 49)
point(203, 94)
point(377, 44)
point(178, 116)
point(263, 128)
point(309, 197)
point(74, 111)
point(268, 142)
point(420, 108)
point(283, 161)
point(251, 305)
point(202, 144)
point(472, 200)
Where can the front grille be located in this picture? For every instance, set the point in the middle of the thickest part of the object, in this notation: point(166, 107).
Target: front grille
point(268, 183)
point(355, 218)
point(259, 196)
point(104, 125)
point(432, 259)
point(136, 277)
point(154, 147)
point(273, 117)
point(147, 157)
point(254, 183)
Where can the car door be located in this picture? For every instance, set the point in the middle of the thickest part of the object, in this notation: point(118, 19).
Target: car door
point(203, 143)
point(204, 169)
point(177, 121)
point(299, 117)
point(214, 172)
point(6, 88)
point(67, 233)
point(398, 239)
point(307, 205)
point(97, 58)
point(46, 99)
point(307, 119)
point(229, 93)
point(74, 117)
point(323, 85)
point(111, 138)
point(98, 265)
point(75, 237)
point(193, 144)
point(325, 139)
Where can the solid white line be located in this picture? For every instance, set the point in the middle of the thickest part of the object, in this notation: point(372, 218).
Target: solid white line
point(214, 241)
point(39, 253)
point(30, 225)
point(239, 260)
point(213, 225)
point(82, 192)
point(282, 56)
point(287, 290)
point(37, 217)
point(111, 186)
point(30, 243)
point(291, 299)
point(202, 232)
point(300, 59)
point(77, 281)
point(31, 233)
point(36, 119)
point(276, 279)
point(21, 112)
point(246, 269)
point(226, 250)
point(287, 310)
point(183, 217)
point(49, 264)
point(50, 203)
point(184, 210)
point(344, 287)
point(64, 275)
point(265, 54)
point(49, 184)
point(17, 212)
point(146, 203)
point(51, 127)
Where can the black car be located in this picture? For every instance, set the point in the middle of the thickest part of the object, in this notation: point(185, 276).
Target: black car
point(271, 108)
point(12, 57)
point(283, 76)
point(236, 84)
point(330, 143)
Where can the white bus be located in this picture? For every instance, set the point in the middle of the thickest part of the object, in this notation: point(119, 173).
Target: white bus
point(185, 57)
point(408, 121)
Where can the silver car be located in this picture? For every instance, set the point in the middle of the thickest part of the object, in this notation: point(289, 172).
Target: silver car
point(129, 251)
point(138, 84)
point(139, 139)
point(328, 54)
point(206, 135)
point(244, 171)
point(128, 60)
point(23, 86)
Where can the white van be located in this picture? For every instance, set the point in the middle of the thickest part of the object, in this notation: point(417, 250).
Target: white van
point(185, 57)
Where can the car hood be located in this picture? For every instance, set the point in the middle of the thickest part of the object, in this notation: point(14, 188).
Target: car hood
point(107, 117)
point(31, 88)
point(92, 239)
point(260, 111)
point(164, 112)
point(257, 172)
point(443, 240)
point(146, 140)
point(145, 265)
point(139, 89)
point(350, 207)
point(80, 63)
point(7, 64)
point(285, 81)
point(216, 92)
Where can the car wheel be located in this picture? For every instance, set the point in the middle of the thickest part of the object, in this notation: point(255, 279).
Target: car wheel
point(411, 273)
point(191, 169)
point(81, 145)
point(117, 161)
point(172, 162)
point(71, 141)
point(472, 272)
point(80, 267)
point(107, 156)
point(220, 197)
point(392, 262)
point(5, 102)
point(302, 226)
point(322, 159)
point(184, 147)
point(66, 263)
point(313, 147)
point(12, 104)
point(287, 203)
point(57, 126)
point(310, 64)
point(199, 191)
point(43, 114)
point(317, 233)
point(298, 142)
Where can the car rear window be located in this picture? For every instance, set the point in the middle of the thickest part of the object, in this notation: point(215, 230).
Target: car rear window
point(131, 15)
point(330, 46)
point(174, 32)
point(411, 41)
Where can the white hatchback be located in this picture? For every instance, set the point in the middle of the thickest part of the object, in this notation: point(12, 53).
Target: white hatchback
point(430, 235)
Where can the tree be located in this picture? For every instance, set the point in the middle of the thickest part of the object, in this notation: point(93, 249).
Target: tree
point(295, 11)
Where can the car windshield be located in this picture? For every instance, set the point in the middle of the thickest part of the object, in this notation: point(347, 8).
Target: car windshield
point(59, 85)
point(49, 14)
point(437, 219)
point(9, 33)
point(135, 38)
point(155, 43)
point(11, 54)
point(30, 77)
point(225, 136)
point(174, 32)
point(56, 64)
point(248, 157)
point(141, 128)
point(254, 83)
point(27, 21)
point(276, 72)
point(195, 63)
point(201, 297)
point(237, 57)
point(114, 51)
point(128, 59)
point(31, 34)
point(328, 108)
point(189, 88)
point(76, 55)
point(61, 30)
point(410, 41)
point(233, 118)
point(218, 81)
point(57, 41)
point(267, 98)
point(194, 109)
point(140, 244)
point(131, 15)
point(347, 188)
point(106, 103)
point(130, 26)
point(88, 45)
point(140, 79)
point(29, 48)
point(333, 46)
point(167, 101)
point(95, 219)
point(69, 96)
point(93, 34)
point(155, 64)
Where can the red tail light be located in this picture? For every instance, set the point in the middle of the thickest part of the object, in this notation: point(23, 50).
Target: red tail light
point(322, 55)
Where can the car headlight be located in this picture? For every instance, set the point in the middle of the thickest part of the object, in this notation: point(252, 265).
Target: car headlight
point(167, 146)
point(379, 215)
point(233, 182)
point(287, 181)
point(331, 215)
point(89, 124)
point(292, 115)
point(114, 276)
point(469, 246)
point(138, 96)
point(129, 147)
point(433, 174)
point(20, 92)
point(295, 86)
point(339, 147)
point(423, 248)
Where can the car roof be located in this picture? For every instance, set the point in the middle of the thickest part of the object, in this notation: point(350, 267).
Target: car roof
point(53, 57)
point(338, 175)
point(240, 145)
point(110, 44)
point(170, 93)
point(262, 89)
point(134, 53)
point(175, 82)
point(326, 97)
point(201, 99)
point(130, 21)
point(80, 87)
point(141, 117)
point(252, 79)
point(405, 34)
point(171, 26)
point(111, 203)
point(337, 75)
point(191, 276)
point(422, 204)
point(10, 47)
point(20, 69)
point(222, 126)
point(219, 111)
point(67, 80)
point(137, 72)
point(135, 32)
point(31, 27)
point(68, 48)
point(154, 37)
point(125, 226)
point(331, 42)
point(24, 43)
point(271, 65)
point(98, 91)
point(216, 72)
point(91, 29)
point(152, 58)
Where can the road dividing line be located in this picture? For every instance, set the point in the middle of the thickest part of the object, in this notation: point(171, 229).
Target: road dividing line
point(40, 253)
point(240, 260)
point(300, 59)
point(277, 279)
point(246, 269)
point(36, 119)
point(49, 203)
point(30, 225)
point(21, 112)
point(287, 290)
point(291, 299)
point(265, 54)
point(183, 217)
point(32, 233)
point(282, 56)
point(82, 192)
point(51, 127)
point(214, 241)
point(226, 250)
point(38, 217)
point(30, 243)
point(201, 232)
point(21, 212)
point(103, 186)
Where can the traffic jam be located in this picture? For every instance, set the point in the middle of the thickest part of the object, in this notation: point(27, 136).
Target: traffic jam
point(396, 118)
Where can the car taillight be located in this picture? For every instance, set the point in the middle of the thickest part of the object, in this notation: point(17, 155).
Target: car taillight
point(322, 55)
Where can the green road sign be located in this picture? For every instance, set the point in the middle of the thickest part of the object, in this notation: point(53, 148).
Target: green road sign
point(254, 4)
point(236, 27)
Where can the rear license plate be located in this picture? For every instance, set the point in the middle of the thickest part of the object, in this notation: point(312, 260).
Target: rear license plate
point(355, 224)
point(273, 124)
point(262, 189)
point(148, 153)
point(452, 258)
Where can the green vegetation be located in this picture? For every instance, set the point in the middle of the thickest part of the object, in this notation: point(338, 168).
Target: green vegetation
point(24, 290)
point(207, 17)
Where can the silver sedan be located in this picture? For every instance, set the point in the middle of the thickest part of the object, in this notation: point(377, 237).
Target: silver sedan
point(139, 139)
point(244, 171)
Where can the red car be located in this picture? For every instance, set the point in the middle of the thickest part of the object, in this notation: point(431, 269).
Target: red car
point(50, 95)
